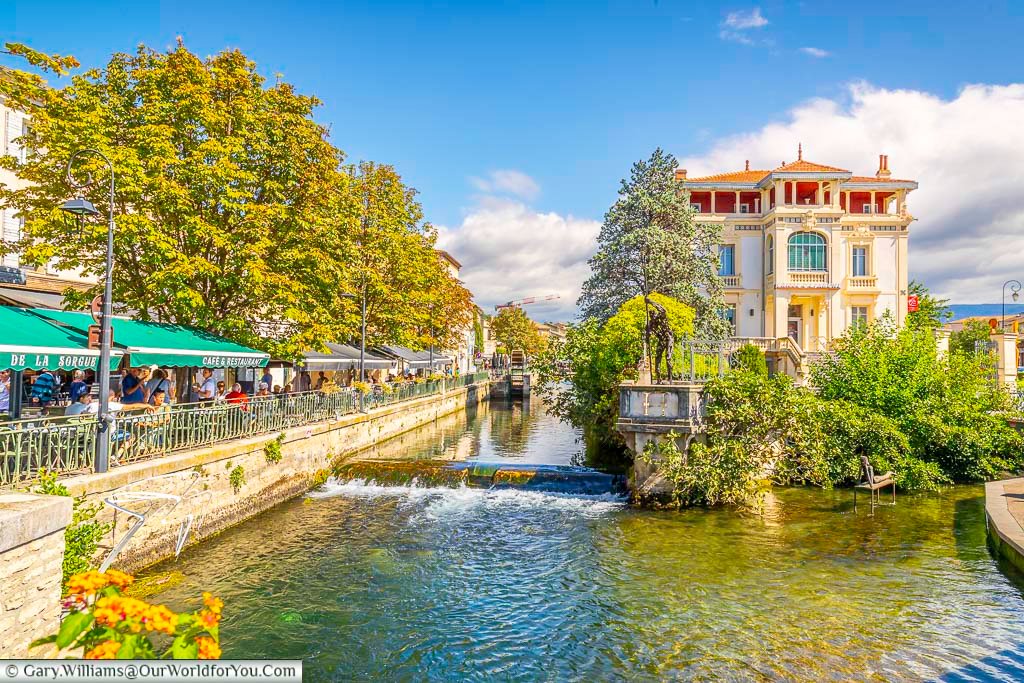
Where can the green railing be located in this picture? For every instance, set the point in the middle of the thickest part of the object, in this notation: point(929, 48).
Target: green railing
point(68, 444)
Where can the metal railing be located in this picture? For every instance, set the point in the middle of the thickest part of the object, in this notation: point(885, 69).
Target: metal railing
point(68, 444)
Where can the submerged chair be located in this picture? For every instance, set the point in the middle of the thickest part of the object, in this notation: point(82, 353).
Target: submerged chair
point(874, 483)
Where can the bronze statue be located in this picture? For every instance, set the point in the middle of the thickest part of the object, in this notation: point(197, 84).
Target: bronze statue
point(659, 330)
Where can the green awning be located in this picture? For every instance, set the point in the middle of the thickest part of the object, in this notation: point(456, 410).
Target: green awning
point(29, 341)
point(164, 344)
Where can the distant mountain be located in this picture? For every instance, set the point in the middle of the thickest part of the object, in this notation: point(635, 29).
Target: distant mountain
point(961, 311)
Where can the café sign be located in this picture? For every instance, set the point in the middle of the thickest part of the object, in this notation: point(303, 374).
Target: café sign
point(52, 361)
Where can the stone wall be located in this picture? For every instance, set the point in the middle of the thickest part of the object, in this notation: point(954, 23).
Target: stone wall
point(31, 553)
point(203, 476)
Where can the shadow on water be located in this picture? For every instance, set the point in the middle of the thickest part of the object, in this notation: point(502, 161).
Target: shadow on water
point(1004, 665)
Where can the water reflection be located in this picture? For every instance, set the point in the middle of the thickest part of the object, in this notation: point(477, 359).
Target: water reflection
point(409, 583)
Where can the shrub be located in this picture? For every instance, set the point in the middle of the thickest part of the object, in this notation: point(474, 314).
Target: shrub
point(82, 537)
point(272, 451)
point(750, 358)
point(237, 478)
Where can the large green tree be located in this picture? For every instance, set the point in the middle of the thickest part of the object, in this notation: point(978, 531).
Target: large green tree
point(221, 183)
point(514, 330)
point(651, 242)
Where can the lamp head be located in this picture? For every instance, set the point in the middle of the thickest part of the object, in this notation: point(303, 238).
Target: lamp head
point(80, 207)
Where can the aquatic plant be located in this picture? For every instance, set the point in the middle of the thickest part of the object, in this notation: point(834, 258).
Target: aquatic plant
point(106, 624)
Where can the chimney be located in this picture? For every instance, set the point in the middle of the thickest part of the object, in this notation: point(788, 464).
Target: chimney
point(883, 167)
point(680, 174)
point(800, 151)
point(748, 165)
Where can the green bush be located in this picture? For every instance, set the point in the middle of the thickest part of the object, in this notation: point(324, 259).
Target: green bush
point(749, 357)
point(82, 537)
point(272, 451)
point(237, 478)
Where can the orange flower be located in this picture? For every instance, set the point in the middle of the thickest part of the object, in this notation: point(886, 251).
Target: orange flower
point(208, 648)
point(119, 579)
point(87, 583)
point(113, 609)
point(214, 604)
point(159, 618)
point(208, 618)
point(105, 650)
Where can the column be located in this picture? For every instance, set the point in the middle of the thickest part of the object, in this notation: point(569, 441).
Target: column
point(820, 197)
point(712, 201)
point(736, 206)
point(873, 205)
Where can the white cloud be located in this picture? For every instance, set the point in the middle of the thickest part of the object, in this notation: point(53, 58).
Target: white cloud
point(742, 20)
point(736, 25)
point(509, 251)
point(967, 153)
point(508, 181)
point(815, 52)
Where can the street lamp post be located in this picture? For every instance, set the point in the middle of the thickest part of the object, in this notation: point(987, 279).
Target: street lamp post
point(1015, 287)
point(362, 333)
point(81, 207)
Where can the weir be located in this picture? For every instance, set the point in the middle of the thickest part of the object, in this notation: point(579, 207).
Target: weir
point(482, 475)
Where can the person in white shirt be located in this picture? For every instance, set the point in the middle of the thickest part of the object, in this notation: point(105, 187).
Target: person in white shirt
point(207, 389)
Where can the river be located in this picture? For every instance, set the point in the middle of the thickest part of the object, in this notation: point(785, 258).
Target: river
point(367, 582)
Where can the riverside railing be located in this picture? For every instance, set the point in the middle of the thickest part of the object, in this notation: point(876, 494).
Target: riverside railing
point(68, 444)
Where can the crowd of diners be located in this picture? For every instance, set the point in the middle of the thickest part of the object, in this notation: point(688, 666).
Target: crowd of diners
point(153, 389)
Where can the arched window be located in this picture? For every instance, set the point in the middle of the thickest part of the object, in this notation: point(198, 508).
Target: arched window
point(770, 250)
point(807, 251)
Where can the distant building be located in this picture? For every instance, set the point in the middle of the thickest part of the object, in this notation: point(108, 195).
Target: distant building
point(808, 250)
point(464, 353)
point(20, 284)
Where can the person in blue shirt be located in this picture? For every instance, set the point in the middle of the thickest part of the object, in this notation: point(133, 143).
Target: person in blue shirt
point(78, 386)
point(43, 388)
point(132, 389)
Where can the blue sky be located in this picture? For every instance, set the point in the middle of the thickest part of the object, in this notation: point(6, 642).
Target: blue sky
point(567, 93)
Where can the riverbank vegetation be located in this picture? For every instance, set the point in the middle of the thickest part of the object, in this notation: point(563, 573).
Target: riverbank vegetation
point(885, 393)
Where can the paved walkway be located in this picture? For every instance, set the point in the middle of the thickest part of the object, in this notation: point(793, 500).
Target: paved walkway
point(1004, 512)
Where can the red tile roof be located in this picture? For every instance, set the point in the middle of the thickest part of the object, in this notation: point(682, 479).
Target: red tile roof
point(801, 166)
point(874, 179)
point(734, 177)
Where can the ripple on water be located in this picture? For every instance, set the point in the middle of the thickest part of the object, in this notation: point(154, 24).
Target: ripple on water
point(402, 583)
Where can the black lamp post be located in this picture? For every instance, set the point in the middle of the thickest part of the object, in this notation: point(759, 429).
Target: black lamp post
point(83, 208)
point(362, 333)
point(1015, 294)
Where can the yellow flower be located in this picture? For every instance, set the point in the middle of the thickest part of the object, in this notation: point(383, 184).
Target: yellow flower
point(116, 608)
point(119, 579)
point(105, 650)
point(213, 604)
point(87, 583)
point(209, 619)
point(208, 648)
point(159, 618)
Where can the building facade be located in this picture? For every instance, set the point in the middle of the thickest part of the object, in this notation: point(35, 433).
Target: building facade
point(807, 250)
point(22, 284)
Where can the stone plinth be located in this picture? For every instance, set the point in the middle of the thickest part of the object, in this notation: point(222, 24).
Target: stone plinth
point(31, 554)
point(649, 413)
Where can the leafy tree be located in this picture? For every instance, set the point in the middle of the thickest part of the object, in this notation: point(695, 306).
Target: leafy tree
point(931, 311)
point(650, 242)
point(221, 187)
point(598, 358)
point(948, 406)
point(514, 330)
point(749, 357)
point(478, 330)
point(967, 339)
point(384, 251)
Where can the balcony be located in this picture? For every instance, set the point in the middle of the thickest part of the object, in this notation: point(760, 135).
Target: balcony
point(862, 282)
point(808, 278)
point(730, 281)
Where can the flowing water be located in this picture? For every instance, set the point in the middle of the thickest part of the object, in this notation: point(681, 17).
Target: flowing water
point(424, 582)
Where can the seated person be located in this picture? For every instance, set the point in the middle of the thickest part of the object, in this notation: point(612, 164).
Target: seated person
point(83, 405)
point(236, 395)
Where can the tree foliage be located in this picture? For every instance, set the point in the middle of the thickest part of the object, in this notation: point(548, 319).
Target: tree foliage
point(931, 311)
point(233, 212)
point(650, 242)
point(598, 358)
point(969, 339)
point(513, 330)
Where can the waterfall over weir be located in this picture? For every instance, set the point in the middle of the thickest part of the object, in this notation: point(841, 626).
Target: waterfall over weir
point(481, 475)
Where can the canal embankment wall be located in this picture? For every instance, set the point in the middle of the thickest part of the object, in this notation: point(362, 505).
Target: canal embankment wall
point(216, 498)
point(1004, 518)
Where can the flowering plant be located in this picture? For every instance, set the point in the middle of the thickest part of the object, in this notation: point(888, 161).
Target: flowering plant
point(362, 387)
point(107, 624)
